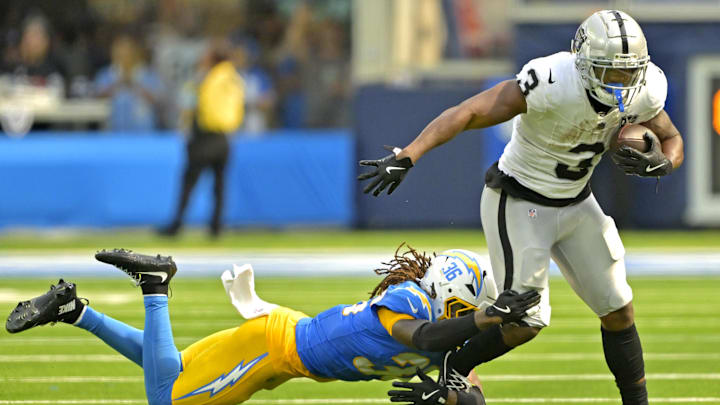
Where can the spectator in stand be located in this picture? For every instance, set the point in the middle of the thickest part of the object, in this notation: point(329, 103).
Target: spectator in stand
point(259, 87)
point(291, 56)
point(30, 73)
point(33, 62)
point(313, 71)
point(133, 88)
point(327, 78)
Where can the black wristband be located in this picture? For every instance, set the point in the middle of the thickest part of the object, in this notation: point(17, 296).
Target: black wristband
point(444, 334)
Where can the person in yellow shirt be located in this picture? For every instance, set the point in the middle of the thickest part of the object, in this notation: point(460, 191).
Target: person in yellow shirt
point(218, 112)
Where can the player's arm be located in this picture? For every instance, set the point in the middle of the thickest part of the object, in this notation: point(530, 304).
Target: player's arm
point(670, 138)
point(493, 106)
point(447, 334)
point(498, 104)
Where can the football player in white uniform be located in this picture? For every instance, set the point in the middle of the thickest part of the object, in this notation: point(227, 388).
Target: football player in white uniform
point(537, 203)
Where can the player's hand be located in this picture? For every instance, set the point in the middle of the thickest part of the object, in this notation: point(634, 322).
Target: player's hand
point(390, 172)
point(425, 392)
point(511, 306)
point(652, 163)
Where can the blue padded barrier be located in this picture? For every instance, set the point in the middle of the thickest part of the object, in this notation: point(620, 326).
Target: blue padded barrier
point(102, 179)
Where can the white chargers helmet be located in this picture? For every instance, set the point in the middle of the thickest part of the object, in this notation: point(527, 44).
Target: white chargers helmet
point(458, 281)
point(611, 57)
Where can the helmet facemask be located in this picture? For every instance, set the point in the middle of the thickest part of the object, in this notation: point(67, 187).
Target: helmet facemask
point(615, 83)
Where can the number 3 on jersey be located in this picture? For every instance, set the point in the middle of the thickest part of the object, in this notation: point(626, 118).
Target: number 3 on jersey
point(530, 83)
point(563, 171)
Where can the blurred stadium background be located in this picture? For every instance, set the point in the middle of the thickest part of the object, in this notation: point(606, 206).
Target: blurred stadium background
point(87, 165)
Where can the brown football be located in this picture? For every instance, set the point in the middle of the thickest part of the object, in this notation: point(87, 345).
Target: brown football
point(632, 136)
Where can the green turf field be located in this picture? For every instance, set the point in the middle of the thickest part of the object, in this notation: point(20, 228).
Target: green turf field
point(677, 318)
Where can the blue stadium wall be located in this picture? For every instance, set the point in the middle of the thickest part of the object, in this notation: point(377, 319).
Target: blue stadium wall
point(444, 188)
point(105, 179)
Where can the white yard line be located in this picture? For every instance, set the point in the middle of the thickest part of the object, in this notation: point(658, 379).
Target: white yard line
point(74, 379)
point(80, 341)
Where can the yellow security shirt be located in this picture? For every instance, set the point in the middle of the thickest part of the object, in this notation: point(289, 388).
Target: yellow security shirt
point(220, 101)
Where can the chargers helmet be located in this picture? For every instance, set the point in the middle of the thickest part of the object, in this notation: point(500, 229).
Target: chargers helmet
point(611, 57)
point(458, 282)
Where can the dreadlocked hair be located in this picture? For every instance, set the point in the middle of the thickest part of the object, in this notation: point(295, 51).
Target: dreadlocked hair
point(408, 266)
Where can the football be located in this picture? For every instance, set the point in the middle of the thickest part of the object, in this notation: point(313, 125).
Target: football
point(632, 136)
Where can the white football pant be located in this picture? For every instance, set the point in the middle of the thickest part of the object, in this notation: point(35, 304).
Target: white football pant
point(522, 237)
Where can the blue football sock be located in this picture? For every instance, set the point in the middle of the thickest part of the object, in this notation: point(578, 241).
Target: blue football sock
point(127, 340)
point(161, 359)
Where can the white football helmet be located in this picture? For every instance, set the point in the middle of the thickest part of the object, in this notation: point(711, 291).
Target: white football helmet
point(611, 57)
point(460, 282)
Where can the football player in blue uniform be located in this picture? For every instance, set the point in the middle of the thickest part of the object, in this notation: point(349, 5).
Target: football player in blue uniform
point(413, 317)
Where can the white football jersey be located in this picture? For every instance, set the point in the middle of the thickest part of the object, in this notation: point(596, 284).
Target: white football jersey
point(556, 144)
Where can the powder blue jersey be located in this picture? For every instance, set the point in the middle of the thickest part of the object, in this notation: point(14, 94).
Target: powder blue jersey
point(348, 342)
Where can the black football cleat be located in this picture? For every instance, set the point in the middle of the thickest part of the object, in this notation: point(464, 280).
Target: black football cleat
point(60, 304)
point(152, 273)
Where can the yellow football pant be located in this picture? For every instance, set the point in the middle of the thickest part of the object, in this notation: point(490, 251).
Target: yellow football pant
point(229, 366)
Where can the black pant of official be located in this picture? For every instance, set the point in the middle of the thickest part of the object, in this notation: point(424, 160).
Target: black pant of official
point(205, 150)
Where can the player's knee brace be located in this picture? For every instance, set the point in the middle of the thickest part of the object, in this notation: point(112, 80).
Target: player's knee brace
point(623, 354)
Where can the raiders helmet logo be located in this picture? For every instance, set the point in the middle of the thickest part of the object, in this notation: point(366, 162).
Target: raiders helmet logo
point(580, 39)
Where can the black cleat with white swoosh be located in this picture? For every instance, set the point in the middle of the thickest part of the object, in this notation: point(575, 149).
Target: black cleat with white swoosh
point(151, 273)
point(60, 304)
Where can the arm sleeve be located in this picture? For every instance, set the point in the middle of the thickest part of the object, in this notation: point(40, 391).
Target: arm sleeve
point(444, 334)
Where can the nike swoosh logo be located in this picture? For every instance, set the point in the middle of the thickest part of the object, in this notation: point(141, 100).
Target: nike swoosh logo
point(160, 274)
point(648, 169)
point(506, 310)
point(391, 168)
point(426, 396)
point(550, 80)
point(415, 310)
